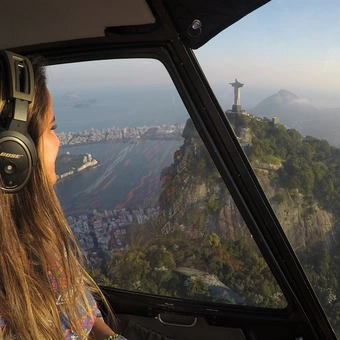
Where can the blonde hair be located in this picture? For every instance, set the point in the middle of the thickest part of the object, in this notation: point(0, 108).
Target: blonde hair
point(37, 243)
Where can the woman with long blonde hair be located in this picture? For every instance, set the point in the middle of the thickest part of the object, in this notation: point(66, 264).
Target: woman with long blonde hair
point(45, 293)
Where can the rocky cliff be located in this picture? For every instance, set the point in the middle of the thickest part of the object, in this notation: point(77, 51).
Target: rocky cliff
point(304, 222)
point(206, 205)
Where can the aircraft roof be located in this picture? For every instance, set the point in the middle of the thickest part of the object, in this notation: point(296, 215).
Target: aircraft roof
point(36, 22)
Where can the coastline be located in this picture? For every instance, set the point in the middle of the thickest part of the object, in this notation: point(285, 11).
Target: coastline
point(125, 140)
point(74, 174)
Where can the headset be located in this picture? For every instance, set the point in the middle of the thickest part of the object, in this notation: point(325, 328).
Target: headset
point(18, 155)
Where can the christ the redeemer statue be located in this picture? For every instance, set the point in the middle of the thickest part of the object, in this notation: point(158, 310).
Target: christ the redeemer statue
point(237, 102)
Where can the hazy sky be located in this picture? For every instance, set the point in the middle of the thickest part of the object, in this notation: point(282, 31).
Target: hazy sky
point(289, 44)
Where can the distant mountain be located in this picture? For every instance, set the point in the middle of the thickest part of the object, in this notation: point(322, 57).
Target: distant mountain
point(290, 108)
point(297, 113)
point(71, 96)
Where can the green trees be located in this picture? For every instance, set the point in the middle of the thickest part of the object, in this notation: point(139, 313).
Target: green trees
point(197, 288)
point(312, 167)
point(155, 267)
point(144, 269)
point(178, 264)
point(322, 266)
point(323, 150)
point(297, 173)
point(213, 203)
point(213, 240)
point(279, 198)
point(309, 165)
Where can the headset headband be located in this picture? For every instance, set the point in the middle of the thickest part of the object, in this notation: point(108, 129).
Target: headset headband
point(20, 86)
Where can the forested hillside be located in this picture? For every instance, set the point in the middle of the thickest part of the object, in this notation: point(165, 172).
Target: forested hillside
point(308, 169)
point(199, 246)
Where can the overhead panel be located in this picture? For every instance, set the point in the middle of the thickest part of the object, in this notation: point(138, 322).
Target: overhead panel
point(39, 21)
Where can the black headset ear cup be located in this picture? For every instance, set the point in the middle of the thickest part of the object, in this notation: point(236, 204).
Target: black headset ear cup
point(18, 157)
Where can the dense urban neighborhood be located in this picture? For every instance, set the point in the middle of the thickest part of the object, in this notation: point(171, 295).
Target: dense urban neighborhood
point(124, 134)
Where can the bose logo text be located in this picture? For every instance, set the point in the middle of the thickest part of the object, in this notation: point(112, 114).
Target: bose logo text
point(10, 155)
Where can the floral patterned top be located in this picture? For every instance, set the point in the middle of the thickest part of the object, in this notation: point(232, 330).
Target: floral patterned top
point(87, 319)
